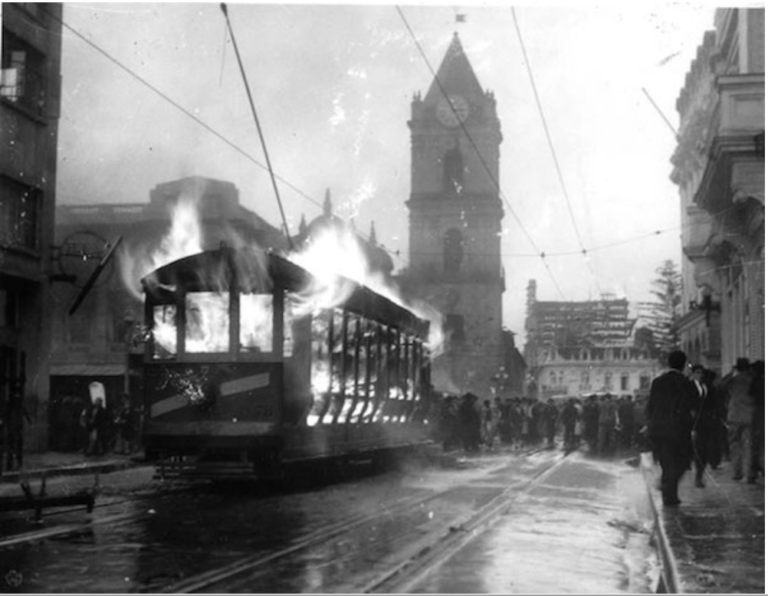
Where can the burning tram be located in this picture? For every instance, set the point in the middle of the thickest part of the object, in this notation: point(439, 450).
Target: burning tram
point(249, 368)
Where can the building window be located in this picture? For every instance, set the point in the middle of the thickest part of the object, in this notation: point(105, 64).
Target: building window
point(453, 250)
point(19, 214)
point(22, 79)
point(454, 327)
point(609, 381)
point(453, 171)
point(585, 383)
point(8, 309)
point(624, 382)
point(645, 382)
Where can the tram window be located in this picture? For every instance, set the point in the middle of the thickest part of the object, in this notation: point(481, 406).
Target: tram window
point(320, 368)
point(207, 322)
point(289, 319)
point(337, 359)
point(164, 331)
point(256, 322)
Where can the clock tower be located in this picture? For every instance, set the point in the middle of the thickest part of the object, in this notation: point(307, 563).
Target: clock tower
point(455, 222)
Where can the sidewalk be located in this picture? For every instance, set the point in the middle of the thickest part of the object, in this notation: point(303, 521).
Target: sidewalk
point(54, 463)
point(714, 542)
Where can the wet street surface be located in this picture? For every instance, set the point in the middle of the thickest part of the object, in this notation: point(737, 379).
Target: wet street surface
point(720, 533)
point(585, 529)
point(580, 526)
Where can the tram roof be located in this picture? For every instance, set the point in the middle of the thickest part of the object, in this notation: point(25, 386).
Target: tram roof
point(256, 270)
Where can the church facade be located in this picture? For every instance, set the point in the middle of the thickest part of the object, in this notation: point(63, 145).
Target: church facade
point(455, 215)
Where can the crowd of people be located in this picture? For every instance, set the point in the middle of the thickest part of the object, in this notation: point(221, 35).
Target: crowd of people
point(96, 428)
point(696, 418)
point(690, 418)
point(605, 423)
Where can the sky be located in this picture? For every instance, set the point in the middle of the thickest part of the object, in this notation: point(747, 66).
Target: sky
point(332, 86)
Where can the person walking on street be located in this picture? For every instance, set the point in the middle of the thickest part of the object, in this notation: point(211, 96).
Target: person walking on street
point(94, 421)
point(607, 420)
point(517, 418)
point(505, 420)
point(740, 412)
point(549, 413)
point(489, 419)
point(626, 422)
point(668, 412)
point(706, 447)
point(569, 416)
point(469, 423)
point(590, 416)
point(125, 426)
point(537, 422)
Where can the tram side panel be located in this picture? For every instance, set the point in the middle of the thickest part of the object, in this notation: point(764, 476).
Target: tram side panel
point(199, 409)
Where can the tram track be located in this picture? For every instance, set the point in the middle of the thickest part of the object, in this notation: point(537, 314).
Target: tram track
point(427, 551)
point(71, 529)
point(400, 578)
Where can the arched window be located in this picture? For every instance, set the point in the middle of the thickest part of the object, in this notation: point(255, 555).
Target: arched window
point(453, 250)
point(453, 171)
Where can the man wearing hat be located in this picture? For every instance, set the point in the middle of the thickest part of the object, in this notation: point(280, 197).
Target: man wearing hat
point(670, 422)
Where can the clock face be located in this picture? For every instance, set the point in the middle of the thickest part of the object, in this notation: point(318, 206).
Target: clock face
point(447, 116)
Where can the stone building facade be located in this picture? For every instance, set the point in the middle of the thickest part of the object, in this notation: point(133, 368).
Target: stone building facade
point(455, 218)
point(579, 348)
point(30, 95)
point(719, 167)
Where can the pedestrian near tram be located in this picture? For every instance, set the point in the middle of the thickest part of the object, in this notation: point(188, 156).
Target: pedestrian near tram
point(570, 416)
point(549, 414)
point(670, 423)
point(706, 423)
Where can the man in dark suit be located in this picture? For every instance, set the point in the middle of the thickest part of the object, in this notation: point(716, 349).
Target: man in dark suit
point(670, 422)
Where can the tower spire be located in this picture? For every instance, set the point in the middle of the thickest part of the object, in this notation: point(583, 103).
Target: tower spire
point(455, 75)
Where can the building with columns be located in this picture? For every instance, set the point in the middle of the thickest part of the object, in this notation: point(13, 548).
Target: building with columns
point(719, 167)
point(455, 215)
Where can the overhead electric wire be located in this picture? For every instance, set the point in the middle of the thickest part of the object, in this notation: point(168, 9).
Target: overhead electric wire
point(181, 108)
point(197, 120)
point(258, 124)
point(660, 113)
point(305, 196)
point(542, 254)
point(552, 150)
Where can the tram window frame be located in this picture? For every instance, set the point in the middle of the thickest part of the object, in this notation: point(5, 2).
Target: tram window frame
point(153, 344)
point(189, 297)
point(365, 356)
point(354, 326)
point(267, 348)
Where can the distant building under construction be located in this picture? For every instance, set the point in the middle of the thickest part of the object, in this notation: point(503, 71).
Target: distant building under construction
point(579, 348)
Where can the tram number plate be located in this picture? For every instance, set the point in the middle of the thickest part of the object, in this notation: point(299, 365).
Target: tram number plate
point(264, 411)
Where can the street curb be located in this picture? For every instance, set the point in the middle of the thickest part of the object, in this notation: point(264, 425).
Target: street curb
point(71, 470)
point(670, 578)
